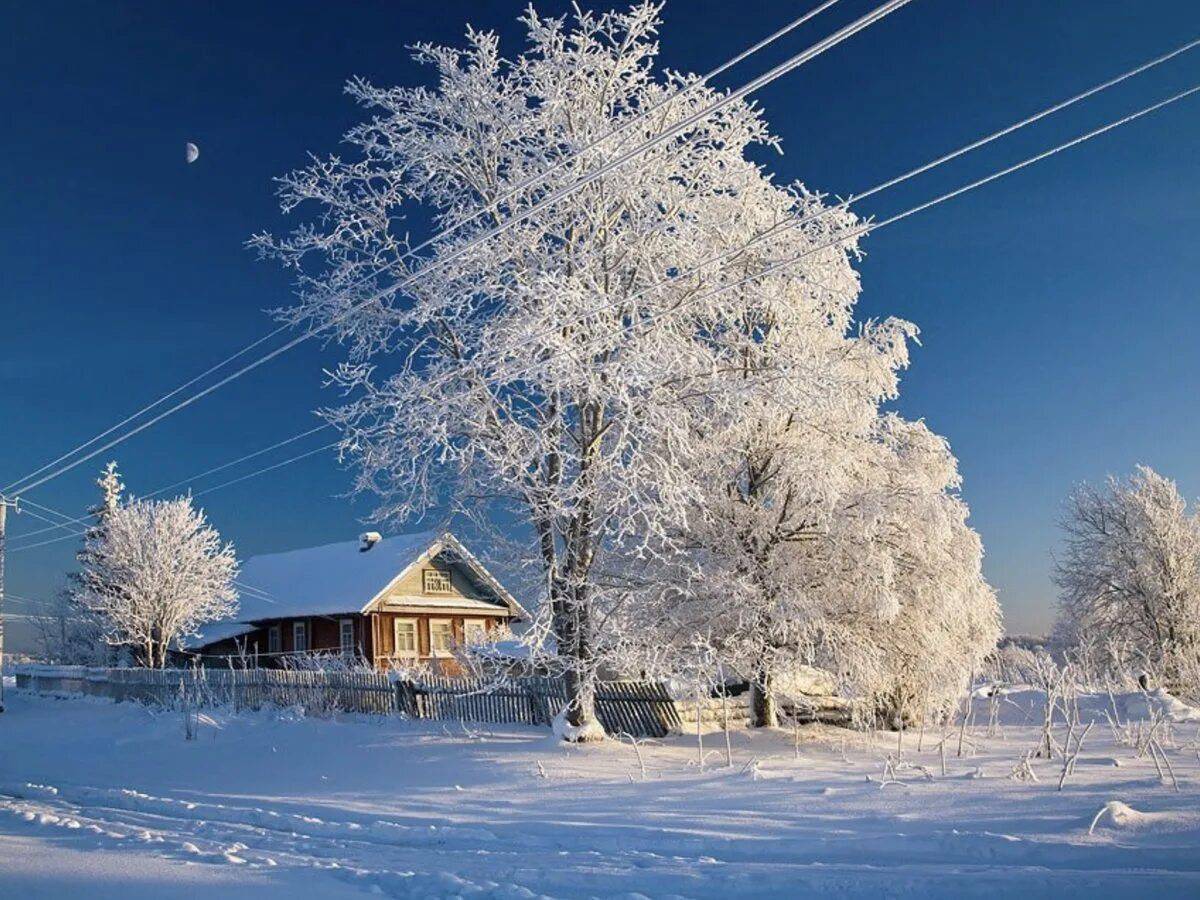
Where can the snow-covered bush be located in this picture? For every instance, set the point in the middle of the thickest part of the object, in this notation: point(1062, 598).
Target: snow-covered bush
point(858, 560)
point(1130, 574)
point(324, 661)
point(948, 618)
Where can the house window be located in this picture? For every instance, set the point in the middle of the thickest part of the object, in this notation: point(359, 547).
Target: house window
point(346, 636)
point(405, 631)
point(441, 637)
point(300, 636)
point(274, 640)
point(436, 581)
point(474, 632)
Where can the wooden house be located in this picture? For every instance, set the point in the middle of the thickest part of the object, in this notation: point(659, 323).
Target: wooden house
point(395, 602)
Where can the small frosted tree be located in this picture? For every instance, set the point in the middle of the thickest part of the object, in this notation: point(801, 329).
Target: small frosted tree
point(1130, 572)
point(154, 573)
point(70, 631)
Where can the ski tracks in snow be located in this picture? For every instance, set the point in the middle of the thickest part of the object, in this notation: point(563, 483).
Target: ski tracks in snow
point(398, 859)
point(252, 836)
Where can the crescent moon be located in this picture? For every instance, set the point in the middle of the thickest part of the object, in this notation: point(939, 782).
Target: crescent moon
point(193, 152)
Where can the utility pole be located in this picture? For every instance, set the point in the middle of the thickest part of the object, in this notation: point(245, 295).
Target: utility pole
point(5, 503)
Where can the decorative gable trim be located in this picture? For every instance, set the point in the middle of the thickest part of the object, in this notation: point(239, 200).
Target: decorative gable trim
point(447, 541)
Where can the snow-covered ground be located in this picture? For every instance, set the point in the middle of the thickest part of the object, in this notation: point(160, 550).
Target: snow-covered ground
point(108, 800)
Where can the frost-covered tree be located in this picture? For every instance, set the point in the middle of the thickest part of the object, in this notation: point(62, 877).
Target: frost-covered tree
point(947, 619)
point(541, 374)
point(819, 519)
point(878, 580)
point(153, 573)
point(1130, 571)
point(70, 631)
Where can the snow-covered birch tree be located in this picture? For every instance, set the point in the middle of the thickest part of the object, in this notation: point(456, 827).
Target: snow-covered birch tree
point(1130, 571)
point(154, 573)
point(540, 372)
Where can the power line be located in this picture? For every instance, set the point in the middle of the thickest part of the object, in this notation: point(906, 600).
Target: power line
point(850, 236)
point(240, 459)
point(249, 475)
point(271, 468)
point(978, 183)
point(55, 526)
point(724, 100)
point(411, 253)
point(795, 221)
point(163, 399)
point(9, 595)
point(181, 482)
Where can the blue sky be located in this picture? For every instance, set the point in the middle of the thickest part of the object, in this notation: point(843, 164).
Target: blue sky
point(1059, 308)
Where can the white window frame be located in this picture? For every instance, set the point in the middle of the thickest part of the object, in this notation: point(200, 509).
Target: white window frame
point(470, 625)
point(434, 574)
point(415, 652)
point(346, 630)
point(435, 651)
point(299, 629)
point(275, 639)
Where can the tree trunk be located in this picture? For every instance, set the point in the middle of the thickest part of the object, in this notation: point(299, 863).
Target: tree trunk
point(762, 695)
point(580, 677)
point(581, 704)
point(575, 633)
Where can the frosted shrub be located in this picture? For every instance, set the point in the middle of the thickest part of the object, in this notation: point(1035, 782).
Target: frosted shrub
point(1131, 574)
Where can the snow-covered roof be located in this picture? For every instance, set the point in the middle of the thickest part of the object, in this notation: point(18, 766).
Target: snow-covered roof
point(339, 578)
point(216, 631)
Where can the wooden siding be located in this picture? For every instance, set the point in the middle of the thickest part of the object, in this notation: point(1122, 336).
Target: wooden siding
point(324, 636)
point(413, 584)
point(374, 637)
point(385, 630)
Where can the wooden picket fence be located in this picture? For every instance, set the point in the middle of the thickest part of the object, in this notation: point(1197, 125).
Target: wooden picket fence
point(641, 709)
point(318, 692)
point(475, 700)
